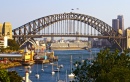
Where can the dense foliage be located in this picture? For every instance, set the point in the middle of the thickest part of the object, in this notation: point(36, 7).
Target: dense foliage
point(14, 77)
point(12, 44)
point(4, 76)
point(107, 67)
point(11, 76)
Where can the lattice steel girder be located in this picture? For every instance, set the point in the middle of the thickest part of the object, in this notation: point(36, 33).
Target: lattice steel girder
point(43, 22)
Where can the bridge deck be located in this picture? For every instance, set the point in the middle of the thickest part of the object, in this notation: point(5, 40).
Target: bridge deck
point(10, 55)
point(89, 36)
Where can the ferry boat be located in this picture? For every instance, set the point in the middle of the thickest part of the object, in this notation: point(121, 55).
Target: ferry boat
point(27, 57)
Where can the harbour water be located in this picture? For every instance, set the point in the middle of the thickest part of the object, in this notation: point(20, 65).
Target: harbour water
point(63, 58)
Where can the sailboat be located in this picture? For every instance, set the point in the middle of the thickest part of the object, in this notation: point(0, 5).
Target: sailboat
point(52, 70)
point(82, 59)
point(59, 79)
point(42, 67)
point(71, 75)
point(37, 75)
point(57, 69)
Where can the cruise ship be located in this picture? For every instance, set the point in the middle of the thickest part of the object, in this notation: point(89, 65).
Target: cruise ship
point(71, 45)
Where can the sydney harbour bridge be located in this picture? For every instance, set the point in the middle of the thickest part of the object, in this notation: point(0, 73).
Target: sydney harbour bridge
point(69, 25)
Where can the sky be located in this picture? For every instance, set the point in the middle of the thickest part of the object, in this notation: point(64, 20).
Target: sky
point(20, 12)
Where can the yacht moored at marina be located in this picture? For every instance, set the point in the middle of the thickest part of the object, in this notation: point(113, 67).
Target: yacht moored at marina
point(71, 75)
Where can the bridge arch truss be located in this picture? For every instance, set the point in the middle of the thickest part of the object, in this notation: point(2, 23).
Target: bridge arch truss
point(34, 27)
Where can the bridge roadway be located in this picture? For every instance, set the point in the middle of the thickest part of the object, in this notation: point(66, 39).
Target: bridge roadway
point(55, 35)
point(10, 55)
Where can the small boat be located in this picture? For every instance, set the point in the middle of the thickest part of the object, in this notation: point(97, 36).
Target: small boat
point(37, 76)
point(42, 69)
point(52, 72)
point(45, 66)
point(61, 66)
point(71, 75)
point(76, 65)
point(30, 71)
point(57, 70)
point(29, 67)
point(21, 69)
point(51, 63)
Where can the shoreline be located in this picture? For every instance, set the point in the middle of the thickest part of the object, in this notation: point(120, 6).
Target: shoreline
point(68, 49)
point(9, 65)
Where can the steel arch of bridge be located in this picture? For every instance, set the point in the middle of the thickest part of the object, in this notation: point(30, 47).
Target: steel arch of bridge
point(30, 40)
point(33, 27)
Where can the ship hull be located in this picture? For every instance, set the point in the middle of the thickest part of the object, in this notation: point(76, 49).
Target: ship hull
point(67, 48)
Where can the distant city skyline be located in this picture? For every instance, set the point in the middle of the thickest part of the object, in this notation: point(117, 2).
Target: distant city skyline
point(21, 12)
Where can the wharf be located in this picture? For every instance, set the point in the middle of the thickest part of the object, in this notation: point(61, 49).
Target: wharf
point(46, 61)
point(41, 61)
point(26, 63)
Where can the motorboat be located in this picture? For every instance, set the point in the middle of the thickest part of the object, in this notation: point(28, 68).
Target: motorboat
point(71, 75)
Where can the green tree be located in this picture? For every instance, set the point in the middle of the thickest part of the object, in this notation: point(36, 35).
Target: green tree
point(9, 76)
point(4, 76)
point(12, 44)
point(107, 67)
point(14, 77)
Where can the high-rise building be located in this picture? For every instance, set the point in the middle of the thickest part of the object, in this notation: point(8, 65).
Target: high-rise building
point(3, 41)
point(118, 24)
point(1, 26)
point(5, 33)
point(7, 30)
point(115, 24)
point(121, 22)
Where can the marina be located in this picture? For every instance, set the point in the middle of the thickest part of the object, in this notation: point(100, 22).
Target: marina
point(63, 59)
